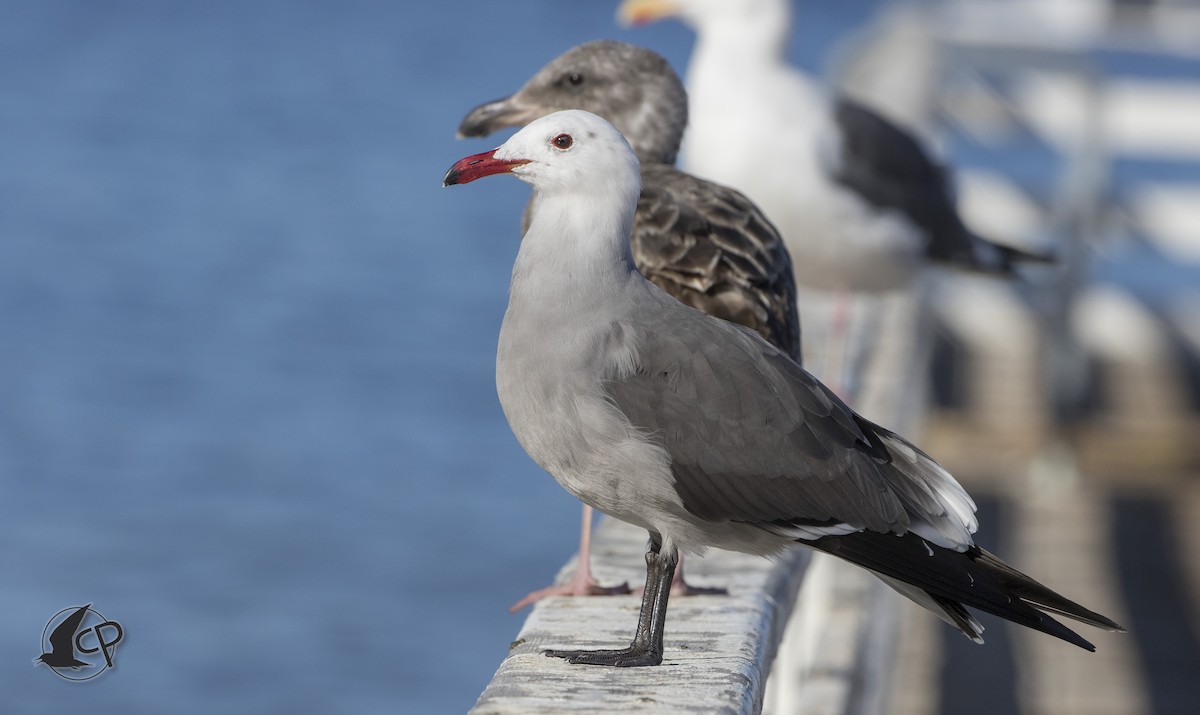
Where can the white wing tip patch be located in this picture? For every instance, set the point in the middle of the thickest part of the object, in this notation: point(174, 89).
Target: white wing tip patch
point(811, 533)
point(954, 526)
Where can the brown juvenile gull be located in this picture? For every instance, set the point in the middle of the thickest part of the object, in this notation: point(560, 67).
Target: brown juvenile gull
point(698, 430)
point(705, 244)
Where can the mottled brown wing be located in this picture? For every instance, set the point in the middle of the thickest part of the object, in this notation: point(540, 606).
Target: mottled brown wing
point(712, 249)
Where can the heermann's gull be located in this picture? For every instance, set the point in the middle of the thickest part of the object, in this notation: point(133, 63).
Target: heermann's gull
point(697, 429)
point(705, 244)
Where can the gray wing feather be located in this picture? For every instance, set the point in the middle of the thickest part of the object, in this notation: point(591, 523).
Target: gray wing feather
point(754, 438)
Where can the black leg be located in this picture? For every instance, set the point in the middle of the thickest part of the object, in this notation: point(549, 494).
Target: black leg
point(647, 645)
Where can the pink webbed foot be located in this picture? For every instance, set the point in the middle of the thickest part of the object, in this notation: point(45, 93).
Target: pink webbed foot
point(679, 587)
point(581, 584)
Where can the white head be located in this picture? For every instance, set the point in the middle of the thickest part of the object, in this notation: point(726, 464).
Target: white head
point(572, 151)
point(755, 20)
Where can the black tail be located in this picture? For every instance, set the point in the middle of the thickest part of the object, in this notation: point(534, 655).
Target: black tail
point(1010, 256)
point(999, 259)
point(957, 246)
point(973, 578)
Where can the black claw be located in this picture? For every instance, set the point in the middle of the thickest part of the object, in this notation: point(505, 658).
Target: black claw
point(623, 658)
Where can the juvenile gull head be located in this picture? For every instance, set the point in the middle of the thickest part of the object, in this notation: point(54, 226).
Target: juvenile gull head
point(633, 88)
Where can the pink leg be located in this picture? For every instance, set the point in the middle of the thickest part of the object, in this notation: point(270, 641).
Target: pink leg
point(679, 587)
point(838, 347)
point(581, 583)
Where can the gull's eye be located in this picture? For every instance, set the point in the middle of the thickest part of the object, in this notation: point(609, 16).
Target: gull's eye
point(575, 79)
point(562, 141)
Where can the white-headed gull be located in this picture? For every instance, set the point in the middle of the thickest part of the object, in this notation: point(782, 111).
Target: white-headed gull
point(853, 193)
point(697, 429)
point(705, 244)
point(859, 201)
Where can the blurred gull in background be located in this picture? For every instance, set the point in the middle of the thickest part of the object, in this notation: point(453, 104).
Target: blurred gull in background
point(859, 201)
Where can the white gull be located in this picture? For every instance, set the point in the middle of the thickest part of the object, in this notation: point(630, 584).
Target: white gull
point(859, 201)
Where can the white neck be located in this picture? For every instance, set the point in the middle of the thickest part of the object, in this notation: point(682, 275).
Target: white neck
point(742, 40)
point(737, 59)
point(576, 252)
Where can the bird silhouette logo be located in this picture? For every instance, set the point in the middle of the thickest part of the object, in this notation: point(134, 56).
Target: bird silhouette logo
point(68, 636)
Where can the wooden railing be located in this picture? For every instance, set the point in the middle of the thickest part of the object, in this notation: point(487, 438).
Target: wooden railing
point(806, 634)
point(719, 649)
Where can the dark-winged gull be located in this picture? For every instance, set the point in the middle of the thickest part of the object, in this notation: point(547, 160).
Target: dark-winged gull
point(859, 201)
point(858, 196)
point(697, 429)
point(705, 244)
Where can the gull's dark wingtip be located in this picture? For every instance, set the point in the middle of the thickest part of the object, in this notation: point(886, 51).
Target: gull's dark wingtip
point(975, 578)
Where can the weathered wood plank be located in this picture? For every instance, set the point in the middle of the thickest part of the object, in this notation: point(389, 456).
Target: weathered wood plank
point(718, 648)
point(838, 646)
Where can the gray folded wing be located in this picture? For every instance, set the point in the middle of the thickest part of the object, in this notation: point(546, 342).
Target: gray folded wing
point(754, 438)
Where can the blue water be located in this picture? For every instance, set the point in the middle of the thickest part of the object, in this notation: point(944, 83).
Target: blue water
point(246, 368)
point(246, 360)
